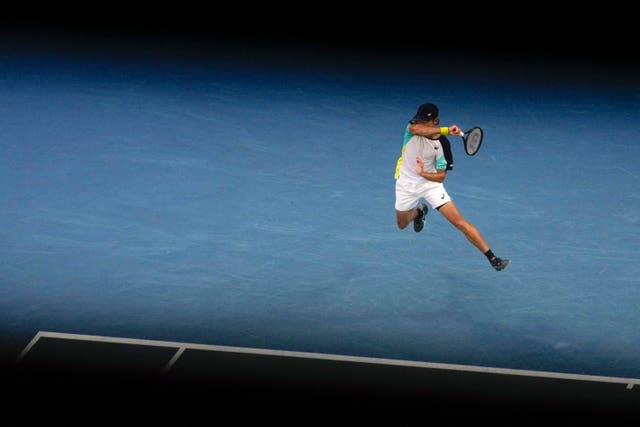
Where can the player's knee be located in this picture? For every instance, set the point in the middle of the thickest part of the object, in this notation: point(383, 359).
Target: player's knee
point(468, 229)
point(462, 225)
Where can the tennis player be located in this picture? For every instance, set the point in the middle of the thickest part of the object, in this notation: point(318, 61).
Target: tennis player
point(420, 174)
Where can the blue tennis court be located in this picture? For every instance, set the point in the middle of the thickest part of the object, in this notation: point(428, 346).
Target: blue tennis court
point(252, 204)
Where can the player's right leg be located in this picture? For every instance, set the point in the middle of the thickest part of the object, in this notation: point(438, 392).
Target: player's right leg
point(408, 210)
point(415, 215)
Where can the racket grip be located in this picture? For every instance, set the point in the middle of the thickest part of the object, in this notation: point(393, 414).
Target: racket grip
point(461, 133)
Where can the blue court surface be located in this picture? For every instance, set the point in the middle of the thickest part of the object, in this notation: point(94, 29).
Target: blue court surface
point(248, 204)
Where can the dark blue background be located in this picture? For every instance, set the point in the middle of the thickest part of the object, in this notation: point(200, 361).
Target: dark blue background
point(225, 195)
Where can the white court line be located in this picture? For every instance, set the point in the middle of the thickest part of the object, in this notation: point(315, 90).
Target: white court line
point(181, 347)
point(173, 360)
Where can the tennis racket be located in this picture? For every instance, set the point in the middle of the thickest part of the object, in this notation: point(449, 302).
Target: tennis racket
point(472, 140)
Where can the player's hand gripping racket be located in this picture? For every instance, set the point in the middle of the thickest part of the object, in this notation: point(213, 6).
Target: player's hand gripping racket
point(472, 140)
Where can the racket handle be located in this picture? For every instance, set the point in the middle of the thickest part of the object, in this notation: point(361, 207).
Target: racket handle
point(461, 133)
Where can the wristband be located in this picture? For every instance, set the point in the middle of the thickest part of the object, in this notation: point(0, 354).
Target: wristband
point(444, 131)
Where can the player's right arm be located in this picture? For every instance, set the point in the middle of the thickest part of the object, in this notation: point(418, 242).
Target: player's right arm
point(431, 131)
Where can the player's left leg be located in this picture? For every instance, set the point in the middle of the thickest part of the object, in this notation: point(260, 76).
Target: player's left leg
point(450, 211)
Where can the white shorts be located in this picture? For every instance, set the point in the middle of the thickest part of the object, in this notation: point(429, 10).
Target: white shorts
point(408, 195)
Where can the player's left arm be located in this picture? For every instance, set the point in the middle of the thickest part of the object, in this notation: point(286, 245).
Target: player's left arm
point(438, 176)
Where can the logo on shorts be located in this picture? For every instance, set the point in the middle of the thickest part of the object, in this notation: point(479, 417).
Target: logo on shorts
point(442, 197)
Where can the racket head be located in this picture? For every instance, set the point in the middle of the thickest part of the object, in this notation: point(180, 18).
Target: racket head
point(472, 140)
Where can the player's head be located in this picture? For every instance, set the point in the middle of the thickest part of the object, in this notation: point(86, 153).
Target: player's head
point(426, 112)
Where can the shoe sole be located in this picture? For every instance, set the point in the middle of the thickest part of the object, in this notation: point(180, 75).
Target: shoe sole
point(424, 215)
point(505, 266)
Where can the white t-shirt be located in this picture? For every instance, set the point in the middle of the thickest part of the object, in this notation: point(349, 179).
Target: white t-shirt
point(431, 152)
